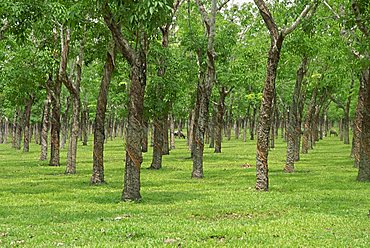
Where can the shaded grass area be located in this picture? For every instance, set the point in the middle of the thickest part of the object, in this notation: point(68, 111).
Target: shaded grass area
point(320, 205)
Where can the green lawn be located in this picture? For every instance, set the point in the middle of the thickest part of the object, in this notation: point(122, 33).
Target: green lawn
point(320, 205)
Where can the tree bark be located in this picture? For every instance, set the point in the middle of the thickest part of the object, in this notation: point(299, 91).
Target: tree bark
point(204, 89)
point(172, 132)
point(158, 143)
point(14, 128)
point(19, 129)
point(144, 142)
point(55, 90)
point(364, 163)
point(307, 134)
point(74, 90)
point(357, 124)
point(27, 127)
point(252, 123)
point(220, 119)
point(65, 123)
point(45, 128)
point(294, 128)
point(101, 108)
point(134, 134)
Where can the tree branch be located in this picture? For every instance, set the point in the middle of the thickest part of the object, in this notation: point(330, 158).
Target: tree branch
point(267, 17)
point(302, 16)
point(204, 14)
point(121, 42)
point(223, 4)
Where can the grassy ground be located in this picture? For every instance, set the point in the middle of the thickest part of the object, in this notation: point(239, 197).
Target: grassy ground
point(320, 205)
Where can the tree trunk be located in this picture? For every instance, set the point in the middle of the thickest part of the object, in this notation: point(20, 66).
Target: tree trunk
point(252, 123)
point(55, 124)
point(158, 142)
point(27, 127)
point(134, 129)
point(264, 124)
point(346, 118)
point(19, 129)
point(212, 127)
point(85, 123)
point(220, 119)
point(307, 134)
point(14, 128)
point(294, 127)
point(144, 142)
point(166, 145)
point(229, 121)
point(45, 128)
point(74, 90)
point(364, 163)
point(357, 124)
point(65, 123)
point(172, 132)
point(101, 109)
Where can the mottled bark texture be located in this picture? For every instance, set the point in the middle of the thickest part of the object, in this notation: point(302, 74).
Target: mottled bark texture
point(357, 124)
point(27, 127)
point(144, 141)
point(45, 128)
point(101, 108)
point(204, 91)
point(55, 90)
point(220, 119)
point(294, 128)
point(136, 58)
point(74, 90)
point(364, 163)
point(158, 143)
point(172, 133)
point(307, 133)
point(263, 129)
point(14, 127)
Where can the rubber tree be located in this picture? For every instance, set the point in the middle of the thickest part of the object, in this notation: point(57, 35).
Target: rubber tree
point(143, 18)
point(205, 85)
point(277, 36)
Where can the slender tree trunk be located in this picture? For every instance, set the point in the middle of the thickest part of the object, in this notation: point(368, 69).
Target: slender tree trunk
point(357, 124)
point(294, 126)
point(229, 121)
point(172, 132)
point(6, 130)
point(101, 108)
point(263, 129)
point(27, 127)
point(14, 127)
point(166, 146)
point(65, 123)
point(55, 124)
point(134, 129)
point(85, 123)
point(272, 128)
point(364, 163)
point(220, 119)
point(74, 90)
point(252, 123)
point(19, 129)
point(1, 130)
point(205, 85)
point(144, 142)
point(45, 128)
point(307, 134)
point(158, 145)
point(213, 124)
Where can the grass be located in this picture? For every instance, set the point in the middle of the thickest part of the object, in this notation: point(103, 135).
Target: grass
point(320, 205)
